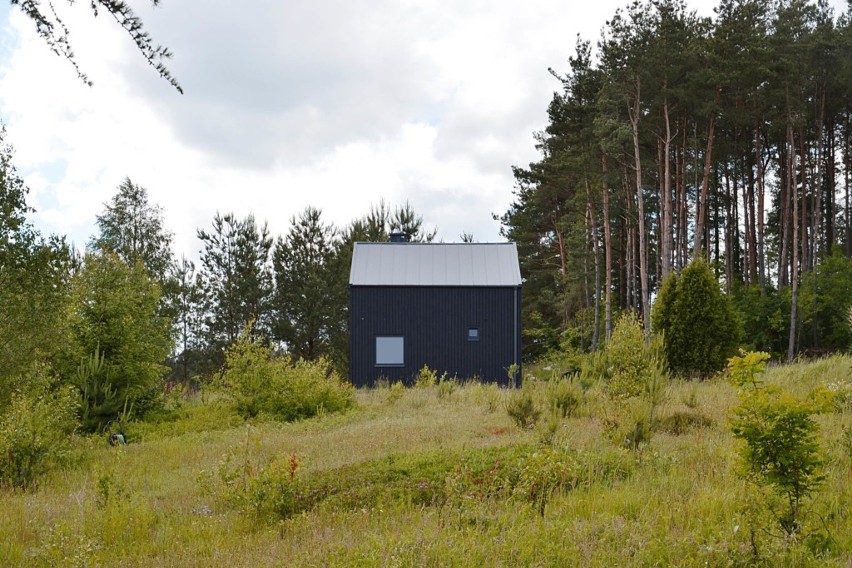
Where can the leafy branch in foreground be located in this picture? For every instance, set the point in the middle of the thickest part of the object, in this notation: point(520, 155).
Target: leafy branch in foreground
point(50, 28)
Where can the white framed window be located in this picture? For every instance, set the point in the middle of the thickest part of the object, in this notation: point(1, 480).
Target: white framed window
point(473, 334)
point(390, 351)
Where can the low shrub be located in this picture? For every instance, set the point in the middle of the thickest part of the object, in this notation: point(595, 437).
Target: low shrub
point(280, 387)
point(564, 396)
point(455, 481)
point(35, 430)
point(781, 451)
point(426, 378)
point(192, 416)
point(522, 408)
point(545, 472)
point(628, 366)
point(395, 392)
point(278, 491)
point(841, 394)
point(690, 396)
point(634, 377)
point(488, 395)
point(446, 387)
point(630, 424)
point(681, 422)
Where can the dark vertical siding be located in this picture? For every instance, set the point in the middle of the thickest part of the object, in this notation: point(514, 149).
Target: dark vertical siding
point(434, 322)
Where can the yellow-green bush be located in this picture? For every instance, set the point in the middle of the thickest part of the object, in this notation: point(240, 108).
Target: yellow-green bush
point(278, 386)
point(781, 450)
point(34, 430)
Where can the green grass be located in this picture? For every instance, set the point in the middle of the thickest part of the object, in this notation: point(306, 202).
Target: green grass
point(418, 479)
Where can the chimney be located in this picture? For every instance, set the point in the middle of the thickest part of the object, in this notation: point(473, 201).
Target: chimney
point(398, 237)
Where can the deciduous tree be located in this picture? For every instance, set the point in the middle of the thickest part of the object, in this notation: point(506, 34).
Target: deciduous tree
point(134, 229)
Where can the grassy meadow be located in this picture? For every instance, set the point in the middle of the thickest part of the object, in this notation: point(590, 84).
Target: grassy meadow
point(434, 476)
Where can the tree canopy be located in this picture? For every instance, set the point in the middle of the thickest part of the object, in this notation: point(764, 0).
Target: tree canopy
point(676, 136)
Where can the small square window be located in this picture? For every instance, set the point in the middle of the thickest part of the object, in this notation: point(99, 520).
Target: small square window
point(473, 334)
point(390, 352)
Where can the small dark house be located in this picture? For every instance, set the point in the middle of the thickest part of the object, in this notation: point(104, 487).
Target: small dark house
point(454, 307)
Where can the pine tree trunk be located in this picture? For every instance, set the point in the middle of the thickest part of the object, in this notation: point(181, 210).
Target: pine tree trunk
point(683, 208)
point(729, 232)
point(784, 228)
point(640, 207)
point(629, 248)
point(794, 277)
point(805, 220)
point(751, 232)
point(761, 255)
point(607, 250)
point(701, 205)
point(818, 185)
point(666, 201)
point(847, 184)
point(831, 181)
point(593, 229)
point(817, 213)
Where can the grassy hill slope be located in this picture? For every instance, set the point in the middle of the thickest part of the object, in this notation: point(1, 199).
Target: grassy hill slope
point(431, 477)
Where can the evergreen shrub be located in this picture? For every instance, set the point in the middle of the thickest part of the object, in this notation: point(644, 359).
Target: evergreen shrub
point(522, 408)
point(700, 328)
point(634, 377)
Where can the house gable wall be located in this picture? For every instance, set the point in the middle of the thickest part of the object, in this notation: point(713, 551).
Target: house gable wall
point(435, 322)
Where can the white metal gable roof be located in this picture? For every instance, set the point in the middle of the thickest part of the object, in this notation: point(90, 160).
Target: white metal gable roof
point(435, 264)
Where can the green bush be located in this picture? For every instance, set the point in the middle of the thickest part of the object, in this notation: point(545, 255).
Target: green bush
point(192, 416)
point(427, 377)
point(680, 422)
point(699, 324)
point(522, 408)
point(34, 430)
point(781, 450)
point(280, 387)
point(630, 423)
point(744, 371)
point(119, 339)
point(280, 490)
point(446, 388)
point(633, 374)
point(395, 392)
point(564, 396)
point(631, 367)
point(544, 473)
point(455, 481)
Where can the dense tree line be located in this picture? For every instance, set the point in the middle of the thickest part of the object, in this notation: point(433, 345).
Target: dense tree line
point(119, 320)
point(679, 137)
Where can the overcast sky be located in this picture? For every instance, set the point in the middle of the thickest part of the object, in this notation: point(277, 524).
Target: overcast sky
point(335, 104)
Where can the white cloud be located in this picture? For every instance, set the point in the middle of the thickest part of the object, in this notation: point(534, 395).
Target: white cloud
point(335, 104)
